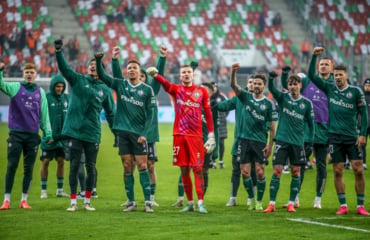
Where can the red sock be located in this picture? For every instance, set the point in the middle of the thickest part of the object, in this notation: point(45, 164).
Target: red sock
point(87, 194)
point(188, 186)
point(199, 182)
point(73, 195)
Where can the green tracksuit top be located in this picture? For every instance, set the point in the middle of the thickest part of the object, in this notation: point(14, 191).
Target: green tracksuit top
point(58, 107)
point(87, 99)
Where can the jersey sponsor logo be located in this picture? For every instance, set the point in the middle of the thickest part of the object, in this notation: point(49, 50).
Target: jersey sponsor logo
point(188, 103)
point(341, 103)
point(255, 114)
point(349, 95)
point(133, 101)
point(293, 113)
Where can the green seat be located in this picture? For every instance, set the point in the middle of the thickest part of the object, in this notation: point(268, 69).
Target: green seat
point(164, 27)
point(21, 9)
point(50, 39)
point(20, 24)
point(273, 48)
point(86, 26)
point(287, 61)
point(29, 10)
point(101, 26)
point(243, 35)
point(77, 11)
point(294, 49)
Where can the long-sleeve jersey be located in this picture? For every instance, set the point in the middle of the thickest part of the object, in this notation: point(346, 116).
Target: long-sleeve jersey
point(135, 103)
point(87, 99)
point(11, 89)
point(188, 103)
point(344, 105)
point(293, 114)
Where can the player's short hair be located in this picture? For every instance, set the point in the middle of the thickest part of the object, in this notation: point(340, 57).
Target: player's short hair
point(341, 67)
point(208, 85)
point(94, 60)
point(250, 76)
point(133, 60)
point(294, 78)
point(261, 76)
point(28, 66)
point(186, 66)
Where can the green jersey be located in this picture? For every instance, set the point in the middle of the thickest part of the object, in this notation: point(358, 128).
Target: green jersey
point(256, 113)
point(344, 105)
point(135, 103)
point(153, 132)
point(293, 115)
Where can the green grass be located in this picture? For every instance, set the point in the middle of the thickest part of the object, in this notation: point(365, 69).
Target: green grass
point(48, 219)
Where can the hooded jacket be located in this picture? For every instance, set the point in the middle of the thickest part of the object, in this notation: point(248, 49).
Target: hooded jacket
point(58, 106)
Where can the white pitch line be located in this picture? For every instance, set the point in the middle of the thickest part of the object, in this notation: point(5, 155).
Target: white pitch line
point(327, 224)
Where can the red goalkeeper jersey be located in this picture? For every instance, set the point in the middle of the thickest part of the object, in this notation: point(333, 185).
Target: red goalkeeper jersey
point(188, 102)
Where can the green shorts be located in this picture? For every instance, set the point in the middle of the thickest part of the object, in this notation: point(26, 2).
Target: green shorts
point(250, 151)
point(283, 150)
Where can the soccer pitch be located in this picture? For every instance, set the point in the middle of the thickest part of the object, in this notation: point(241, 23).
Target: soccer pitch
point(48, 218)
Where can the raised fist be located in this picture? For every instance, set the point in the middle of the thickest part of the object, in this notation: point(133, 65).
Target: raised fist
point(99, 55)
point(152, 71)
point(194, 65)
point(318, 50)
point(286, 69)
point(163, 50)
point(235, 66)
point(116, 52)
point(272, 74)
point(58, 44)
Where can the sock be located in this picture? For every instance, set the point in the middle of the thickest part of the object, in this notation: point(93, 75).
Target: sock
point(248, 185)
point(60, 181)
point(294, 187)
point(180, 188)
point(274, 188)
point(199, 182)
point(73, 199)
point(342, 199)
point(188, 186)
point(152, 188)
point(24, 196)
point(87, 196)
point(7, 197)
point(261, 186)
point(44, 183)
point(360, 199)
point(205, 178)
point(129, 186)
point(200, 202)
point(145, 183)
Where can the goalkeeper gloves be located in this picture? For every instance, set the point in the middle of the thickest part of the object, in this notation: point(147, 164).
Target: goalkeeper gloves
point(211, 143)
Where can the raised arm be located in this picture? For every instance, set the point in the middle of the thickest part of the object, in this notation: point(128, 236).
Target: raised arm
point(284, 76)
point(108, 80)
point(315, 78)
point(9, 89)
point(274, 91)
point(233, 83)
point(161, 67)
point(68, 73)
point(116, 66)
point(167, 86)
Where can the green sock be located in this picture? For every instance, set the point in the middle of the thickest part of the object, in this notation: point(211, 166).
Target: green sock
point(342, 198)
point(129, 186)
point(44, 183)
point(261, 185)
point(205, 177)
point(152, 188)
point(145, 183)
point(180, 188)
point(60, 182)
point(360, 199)
point(294, 187)
point(274, 187)
point(248, 185)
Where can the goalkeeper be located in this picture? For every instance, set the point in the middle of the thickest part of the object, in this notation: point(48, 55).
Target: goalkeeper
point(188, 150)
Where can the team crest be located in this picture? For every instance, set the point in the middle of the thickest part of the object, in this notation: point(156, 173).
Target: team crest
point(196, 94)
point(100, 93)
point(349, 95)
point(140, 92)
point(175, 160)
point(263, 107)
point(65, 104)
point(301, 106)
